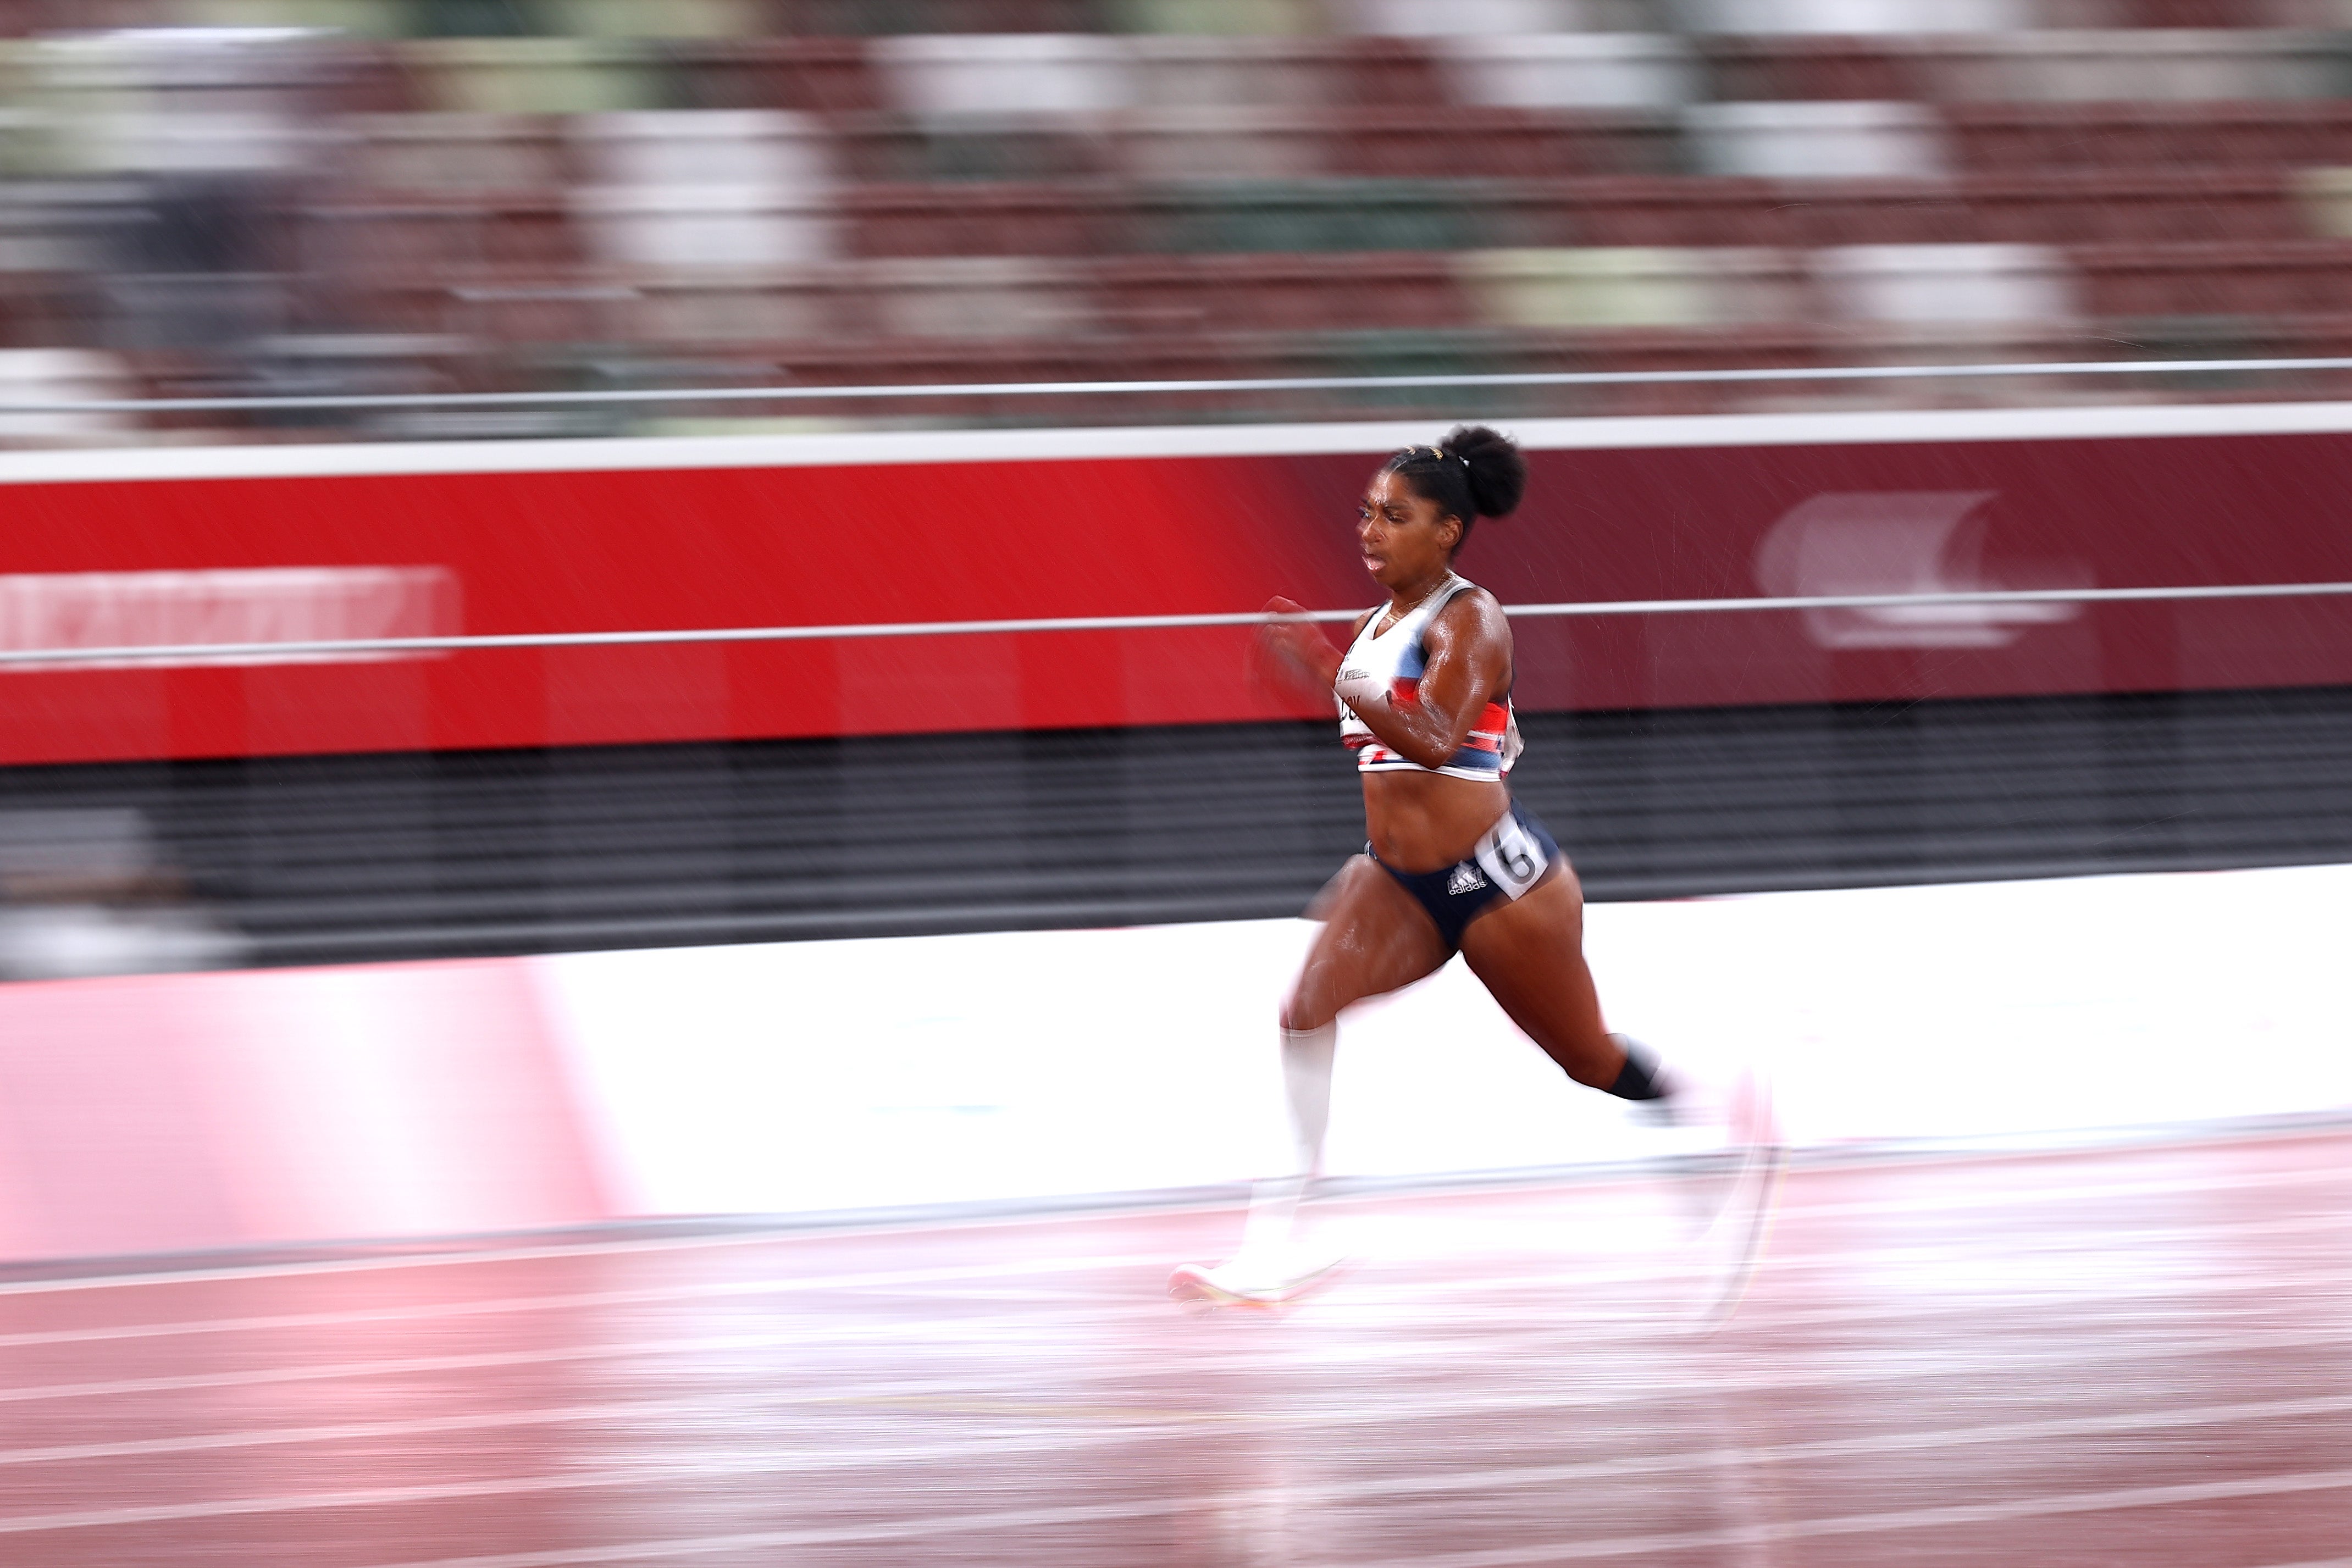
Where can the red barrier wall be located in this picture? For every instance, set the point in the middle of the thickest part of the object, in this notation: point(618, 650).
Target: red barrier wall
point(773, 530)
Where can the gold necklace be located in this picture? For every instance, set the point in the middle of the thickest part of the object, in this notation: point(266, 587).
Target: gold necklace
point(1395, 616)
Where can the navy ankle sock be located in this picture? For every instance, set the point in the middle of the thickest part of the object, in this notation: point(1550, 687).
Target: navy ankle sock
point(1637, 1079)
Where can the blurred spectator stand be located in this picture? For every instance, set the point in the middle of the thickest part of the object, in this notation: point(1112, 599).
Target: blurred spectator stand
point(542, 194)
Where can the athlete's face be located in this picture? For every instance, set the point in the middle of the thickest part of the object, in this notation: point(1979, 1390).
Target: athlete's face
point(1405, 538)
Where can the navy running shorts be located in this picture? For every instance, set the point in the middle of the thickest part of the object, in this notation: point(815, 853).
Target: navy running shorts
point(1511, 858)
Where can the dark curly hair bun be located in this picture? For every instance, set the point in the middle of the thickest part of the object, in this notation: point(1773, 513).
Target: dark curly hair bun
point(1498, 474)
point(1478, 472)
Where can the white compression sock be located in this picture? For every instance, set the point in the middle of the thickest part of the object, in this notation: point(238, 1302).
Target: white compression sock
point(1307, 1055)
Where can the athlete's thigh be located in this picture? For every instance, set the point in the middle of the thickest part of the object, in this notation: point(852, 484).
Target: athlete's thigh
point(1529, 955)
point(1374, 939)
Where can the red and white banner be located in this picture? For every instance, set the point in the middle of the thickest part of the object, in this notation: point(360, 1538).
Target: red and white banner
point(197, 546)
point(256, 615)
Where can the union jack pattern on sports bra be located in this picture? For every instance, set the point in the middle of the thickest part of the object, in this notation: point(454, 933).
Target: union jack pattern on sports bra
point(1394, 661)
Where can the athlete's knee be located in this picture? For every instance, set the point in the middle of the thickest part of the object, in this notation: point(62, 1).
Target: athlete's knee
point(1305, 1008)
point(1313, 1000)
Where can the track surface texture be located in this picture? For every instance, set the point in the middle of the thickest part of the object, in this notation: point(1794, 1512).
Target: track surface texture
point(2136, 1354)
point(333, 859)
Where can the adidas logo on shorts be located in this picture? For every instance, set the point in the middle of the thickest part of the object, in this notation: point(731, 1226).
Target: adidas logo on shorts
point(1466, 879)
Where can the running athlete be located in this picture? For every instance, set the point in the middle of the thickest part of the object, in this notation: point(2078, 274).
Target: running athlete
point(1452, 863)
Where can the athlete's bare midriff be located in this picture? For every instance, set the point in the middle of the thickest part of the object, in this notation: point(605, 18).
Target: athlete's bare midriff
point(1426, 821)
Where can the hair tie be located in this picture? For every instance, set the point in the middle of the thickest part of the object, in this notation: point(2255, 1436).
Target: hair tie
point(1437, 454)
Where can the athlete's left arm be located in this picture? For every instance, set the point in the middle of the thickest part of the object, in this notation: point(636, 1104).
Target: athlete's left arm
point(1468, 649)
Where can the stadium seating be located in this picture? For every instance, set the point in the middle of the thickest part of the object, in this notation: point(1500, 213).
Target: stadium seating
point(2030, 137)
point(1945, 285)
point(840, 191)
point(1857, 139)
point(1635, 287)
point(706, 188)
point(455, 153)
point(534, 75)
point(62, 376)
point(1568, 70)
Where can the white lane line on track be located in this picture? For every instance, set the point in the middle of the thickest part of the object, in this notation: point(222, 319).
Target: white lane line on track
point(1893, 1253)
point(1351, 1351)
point(1290, 1496)
point(1966, 1199)
point(1019, 1387)
point(1945, 1516)
point(804, 1335)
point(236, 1275)
point(1081, 1309)
point(1137, 1424)
point(796, 1463)
point(872, 1280)
point(557, 1252)
point(801, 1337)
point(707, 1411)
point(2111, 1305)
point(1791, 1206)
point(645, 1296)
point(969, 1397)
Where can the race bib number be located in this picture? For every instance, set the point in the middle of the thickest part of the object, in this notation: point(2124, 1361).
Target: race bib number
point(1511, 857)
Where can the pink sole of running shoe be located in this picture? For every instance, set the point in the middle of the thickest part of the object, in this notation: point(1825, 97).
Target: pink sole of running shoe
point(1192, 1286)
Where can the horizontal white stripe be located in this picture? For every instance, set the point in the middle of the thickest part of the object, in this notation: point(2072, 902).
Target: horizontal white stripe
point(138, 652)
point(1100, 1422)
point(461, 1255)
point(1367, 439)
point(2130, 1292)
point(1291, 1497)
point(787, 397)
point(1100, 1418)
point(1094, 1419)
point(1444, 1348)
point(1288, 1496)
point(1436, 1300)
point(1942, 1517)
point(1961, 1200)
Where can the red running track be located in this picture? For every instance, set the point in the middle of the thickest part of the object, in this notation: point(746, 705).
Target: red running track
point(2138, 1356)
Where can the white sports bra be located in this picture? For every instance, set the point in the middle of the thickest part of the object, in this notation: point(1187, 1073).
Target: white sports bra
point(1389, 665)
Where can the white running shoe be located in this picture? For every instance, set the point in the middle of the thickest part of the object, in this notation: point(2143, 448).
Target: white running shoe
point(1745, 1189)
point(1254, 1281)
point(1710, 1136)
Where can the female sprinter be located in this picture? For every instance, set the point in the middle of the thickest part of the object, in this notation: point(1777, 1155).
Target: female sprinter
point(1452, 865)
